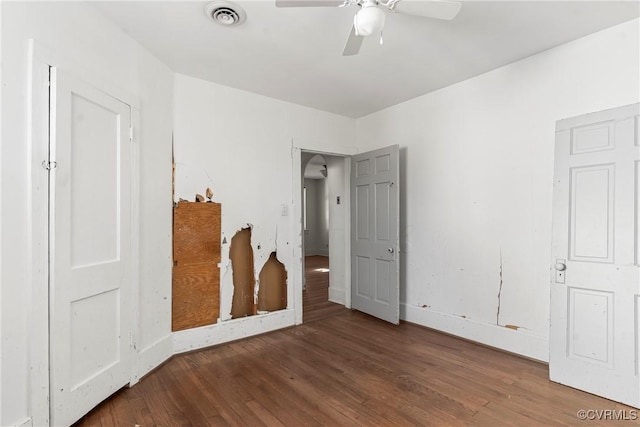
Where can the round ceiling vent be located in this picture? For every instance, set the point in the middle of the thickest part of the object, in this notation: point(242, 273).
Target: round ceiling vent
point(225, 13)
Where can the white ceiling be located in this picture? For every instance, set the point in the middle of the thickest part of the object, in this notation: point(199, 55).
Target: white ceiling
point(295, 54)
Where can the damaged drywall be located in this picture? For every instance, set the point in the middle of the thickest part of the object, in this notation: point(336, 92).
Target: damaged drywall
point(272, 293)
point(241, 256)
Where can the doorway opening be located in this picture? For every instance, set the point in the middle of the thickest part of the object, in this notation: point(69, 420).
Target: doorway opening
point(323, 217)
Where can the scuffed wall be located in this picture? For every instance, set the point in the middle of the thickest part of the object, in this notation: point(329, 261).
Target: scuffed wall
point(477, 176)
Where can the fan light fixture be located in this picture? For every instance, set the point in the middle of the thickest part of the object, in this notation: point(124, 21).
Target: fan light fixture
point(369, 20)
point(371, 16)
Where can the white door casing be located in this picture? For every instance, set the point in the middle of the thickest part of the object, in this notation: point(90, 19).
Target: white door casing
point(374, 233)
point(595, 277)
point(90, 247)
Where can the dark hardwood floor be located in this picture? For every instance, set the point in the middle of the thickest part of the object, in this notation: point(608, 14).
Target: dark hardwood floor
point(316, 305)
point(348, 369)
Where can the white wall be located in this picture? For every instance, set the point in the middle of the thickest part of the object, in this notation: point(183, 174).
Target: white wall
point(316, 236)
point(1, 340)
point(311, 231)
point(323, 217)
point(477, 160)
point(241, 145)
point(336, 186)
point(76, 33)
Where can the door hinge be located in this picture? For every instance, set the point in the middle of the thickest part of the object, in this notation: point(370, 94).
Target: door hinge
point(49, 165)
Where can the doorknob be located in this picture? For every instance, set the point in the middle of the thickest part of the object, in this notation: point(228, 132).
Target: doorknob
point(390, 250)
point(560, 266)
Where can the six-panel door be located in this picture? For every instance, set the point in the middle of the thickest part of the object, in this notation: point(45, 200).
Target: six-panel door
point(595, 280)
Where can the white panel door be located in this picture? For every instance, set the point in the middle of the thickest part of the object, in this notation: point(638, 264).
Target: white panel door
point(90, 246)
point(595, 275)
point(374, 233)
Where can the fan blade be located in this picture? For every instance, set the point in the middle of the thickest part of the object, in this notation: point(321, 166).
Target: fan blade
point(353, 43)
point(309, 3)
point(437, 9)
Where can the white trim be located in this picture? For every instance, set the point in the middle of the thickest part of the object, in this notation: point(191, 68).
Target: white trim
point(230, 330)
point(296, 278)
point(347, 232)
point(1, 81)
point(323, 147)
point(519, 342)
point(297, 274)
point(25, 423)
point(153, 355)
point(135, 246)
point(38, 246)
point(98, 78)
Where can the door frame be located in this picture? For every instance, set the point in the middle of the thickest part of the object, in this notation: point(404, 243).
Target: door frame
point(40, 60)
point(297, 226)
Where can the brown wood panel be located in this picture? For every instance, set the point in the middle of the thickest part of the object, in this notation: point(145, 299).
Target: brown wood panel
point(196, 254)
point(196, 233)
point(350, 370)
point(241, 255)
point(196, 295)
point(272, 293)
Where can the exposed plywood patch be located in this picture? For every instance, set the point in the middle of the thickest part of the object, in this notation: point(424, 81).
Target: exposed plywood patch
point(196, 254)
point(196, 295)
point(196, 233)
point(272, 294)
point(241, 255)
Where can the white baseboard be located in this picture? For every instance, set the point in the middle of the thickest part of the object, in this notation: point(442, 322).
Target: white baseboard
point(316, 252)
point(515, 341)
point(153, 356)
point(336, 295)
point(24, 423)
point(230, 330)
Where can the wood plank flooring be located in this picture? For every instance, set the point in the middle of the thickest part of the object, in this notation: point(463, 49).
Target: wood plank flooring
point(316, 305)
point(349, 370)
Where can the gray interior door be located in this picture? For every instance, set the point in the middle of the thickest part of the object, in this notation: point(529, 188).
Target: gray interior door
point(374, 233)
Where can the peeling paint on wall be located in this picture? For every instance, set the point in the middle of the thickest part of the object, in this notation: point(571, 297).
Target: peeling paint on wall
point(241, 256)
point(272, 293)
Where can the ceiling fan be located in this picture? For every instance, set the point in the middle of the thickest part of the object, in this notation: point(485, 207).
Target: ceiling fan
point(371, 16)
